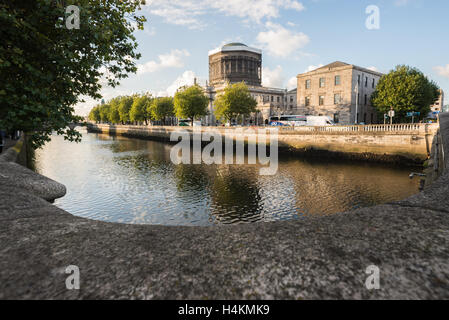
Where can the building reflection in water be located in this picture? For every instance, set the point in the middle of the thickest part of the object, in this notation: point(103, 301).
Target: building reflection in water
point(114, 178)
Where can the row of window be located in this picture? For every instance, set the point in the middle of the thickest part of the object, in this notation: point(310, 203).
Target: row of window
point(322, 82)
point(337, 82)
point(373, 83)
point(272, 98)
point(337, 100)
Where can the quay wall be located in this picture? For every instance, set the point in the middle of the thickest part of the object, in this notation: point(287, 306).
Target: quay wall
point(386, 143)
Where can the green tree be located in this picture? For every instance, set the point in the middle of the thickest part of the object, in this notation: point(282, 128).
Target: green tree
point(235, 101)
point(124, 107)
point(94, 114)
point(46, 68)
point(161, 108)
point(404, 89)
point(190, 103)
point(114, 115)
point(105, 112)
point(139, 109)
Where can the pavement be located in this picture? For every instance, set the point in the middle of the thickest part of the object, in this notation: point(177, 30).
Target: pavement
point(312, 258)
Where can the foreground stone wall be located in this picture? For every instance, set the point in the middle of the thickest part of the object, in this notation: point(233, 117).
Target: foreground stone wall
point(411, 143)
point(315, 258)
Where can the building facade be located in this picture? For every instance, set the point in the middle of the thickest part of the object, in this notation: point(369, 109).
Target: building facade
point(340, 91)
point(438, 106)
point(236, 62)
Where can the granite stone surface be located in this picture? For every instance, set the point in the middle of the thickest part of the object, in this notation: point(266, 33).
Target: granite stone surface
point(311, 258)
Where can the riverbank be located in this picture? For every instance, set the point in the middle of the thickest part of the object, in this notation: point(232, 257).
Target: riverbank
point(313, 258)
point(405, 144)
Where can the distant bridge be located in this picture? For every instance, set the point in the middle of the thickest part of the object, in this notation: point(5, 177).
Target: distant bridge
point(77, 124)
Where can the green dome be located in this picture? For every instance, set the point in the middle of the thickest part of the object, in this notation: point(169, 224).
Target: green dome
point(235, 44)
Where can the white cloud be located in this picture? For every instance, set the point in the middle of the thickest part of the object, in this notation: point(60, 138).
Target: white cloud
point(373, 69)
point(312, 67)
point(281, 42)
point(292, 83)
point(187, 78)
point(272, 78)
point(189, 12)
point(150, 31)
point(442, 70)
point(174, 59)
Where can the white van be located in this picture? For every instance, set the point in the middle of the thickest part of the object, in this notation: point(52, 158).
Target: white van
point(319, 121)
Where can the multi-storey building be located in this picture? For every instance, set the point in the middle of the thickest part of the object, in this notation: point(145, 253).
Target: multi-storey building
point(437, 107)
point(340, 91)
point(236, 62)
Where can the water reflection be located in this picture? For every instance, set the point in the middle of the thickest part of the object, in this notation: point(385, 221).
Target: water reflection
point(114, 178)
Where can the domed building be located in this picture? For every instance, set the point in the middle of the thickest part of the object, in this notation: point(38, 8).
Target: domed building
point(236, 62)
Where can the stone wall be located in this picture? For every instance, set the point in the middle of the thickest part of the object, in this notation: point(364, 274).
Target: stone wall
point(386, 143)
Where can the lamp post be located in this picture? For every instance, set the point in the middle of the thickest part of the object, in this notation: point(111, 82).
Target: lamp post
point(356, 103)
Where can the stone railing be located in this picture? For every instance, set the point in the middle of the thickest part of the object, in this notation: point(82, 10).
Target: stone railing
point(409, 128)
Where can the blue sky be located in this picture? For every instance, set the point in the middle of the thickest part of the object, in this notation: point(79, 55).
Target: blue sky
point(295, 36)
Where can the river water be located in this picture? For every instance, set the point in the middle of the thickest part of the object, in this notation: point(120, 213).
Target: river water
point(118, 179)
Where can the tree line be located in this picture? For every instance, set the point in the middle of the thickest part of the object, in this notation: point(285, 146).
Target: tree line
point(137, 108)
point(189, 102)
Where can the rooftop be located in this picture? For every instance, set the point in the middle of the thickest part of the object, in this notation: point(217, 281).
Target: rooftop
point(235, 46)
point(340, 64)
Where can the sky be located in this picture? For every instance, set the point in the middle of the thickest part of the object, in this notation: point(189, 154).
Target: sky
point(294, 35)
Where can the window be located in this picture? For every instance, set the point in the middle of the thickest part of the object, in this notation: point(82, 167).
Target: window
point(321, 100)
point(322, 82)
point(366, 81)
point(307, 84)
point(337, 98)
point(366, 99)
point(307, 101)
point(272, 99)
point(291, 98)
point(337, 80)
point(279, 99)
point(374, 83)
point(358, 79)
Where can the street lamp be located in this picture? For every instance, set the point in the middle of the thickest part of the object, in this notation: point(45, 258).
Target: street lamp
point(357, 103)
